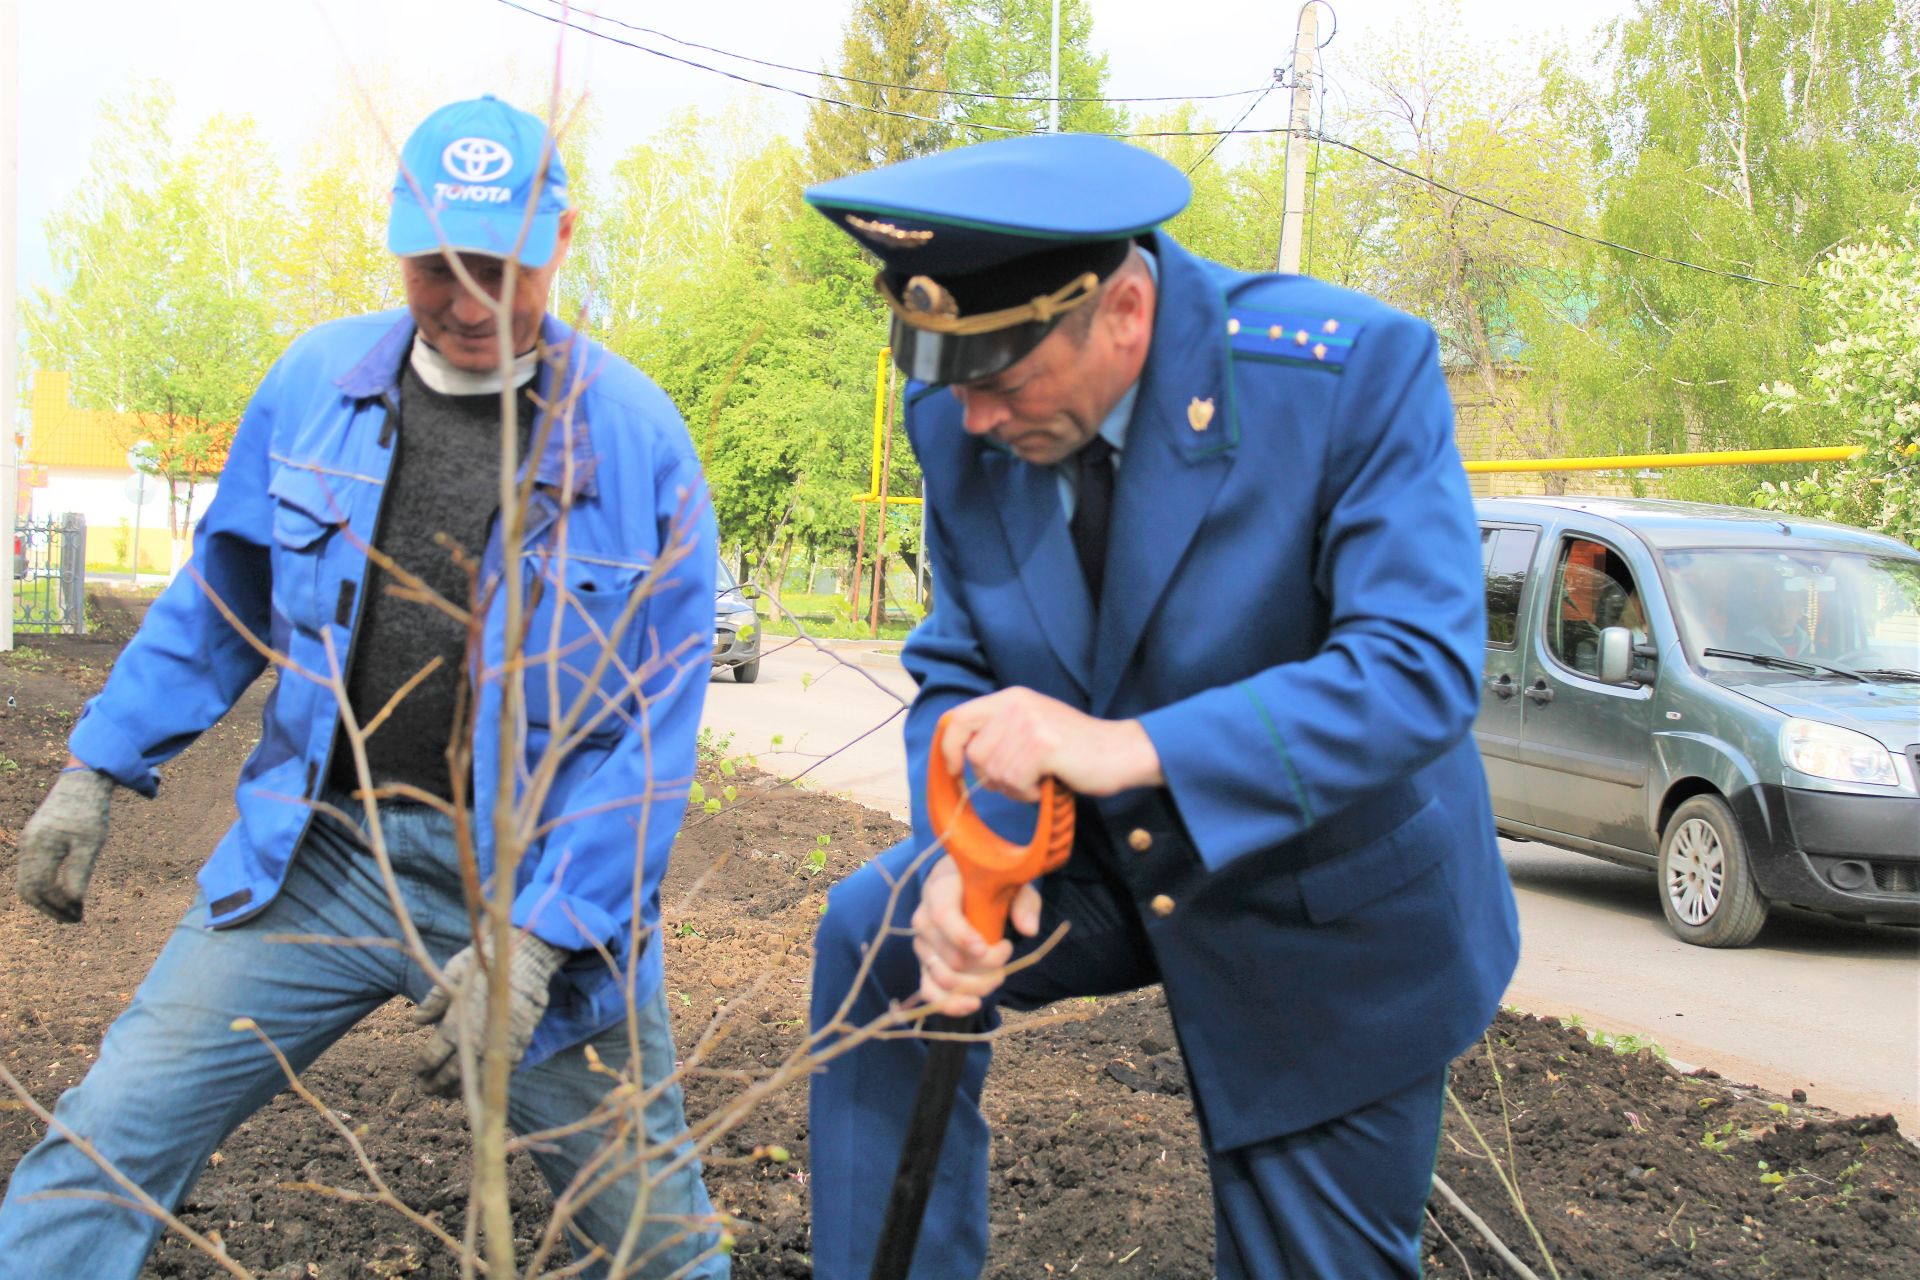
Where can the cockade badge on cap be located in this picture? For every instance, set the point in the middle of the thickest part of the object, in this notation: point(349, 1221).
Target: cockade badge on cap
point(929, 298)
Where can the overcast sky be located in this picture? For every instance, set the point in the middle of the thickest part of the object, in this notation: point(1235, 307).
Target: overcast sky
point(283, 62)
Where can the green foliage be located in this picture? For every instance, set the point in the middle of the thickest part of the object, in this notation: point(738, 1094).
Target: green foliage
point(1861, 385)
point(756, 316)
point(894, 42)
point(1004, 47)
point(166, 312)
point(1752, 136)
point(1627, 1044)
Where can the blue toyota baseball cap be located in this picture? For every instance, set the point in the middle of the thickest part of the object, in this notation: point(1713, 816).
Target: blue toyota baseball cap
point(473, 167)
point(985, 249)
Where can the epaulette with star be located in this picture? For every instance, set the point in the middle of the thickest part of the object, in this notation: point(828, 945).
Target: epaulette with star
point(1317, 341)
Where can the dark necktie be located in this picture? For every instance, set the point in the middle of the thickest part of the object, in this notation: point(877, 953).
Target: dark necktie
point(1093, 504)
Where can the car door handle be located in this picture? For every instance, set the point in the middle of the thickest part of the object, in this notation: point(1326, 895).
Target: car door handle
point(1539, 692)
point(1502, 688)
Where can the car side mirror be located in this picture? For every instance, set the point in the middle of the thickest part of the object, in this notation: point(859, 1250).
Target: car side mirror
point(749, 592)
point(1616, 656)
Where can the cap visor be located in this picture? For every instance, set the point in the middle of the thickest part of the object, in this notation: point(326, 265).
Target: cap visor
point(411, 233)
point(946, 358)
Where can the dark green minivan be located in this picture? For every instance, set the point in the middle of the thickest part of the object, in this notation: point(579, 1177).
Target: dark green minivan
point(1725, 696)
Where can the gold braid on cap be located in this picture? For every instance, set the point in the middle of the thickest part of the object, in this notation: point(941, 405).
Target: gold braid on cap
point(927, 305)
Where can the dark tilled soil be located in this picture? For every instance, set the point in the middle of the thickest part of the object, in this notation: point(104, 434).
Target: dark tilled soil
point(1625, 1167)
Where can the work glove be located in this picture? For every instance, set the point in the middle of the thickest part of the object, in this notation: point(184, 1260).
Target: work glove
point(460, 1009)
point(61, 840)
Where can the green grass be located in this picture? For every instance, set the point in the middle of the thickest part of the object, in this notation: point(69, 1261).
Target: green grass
point(828, 617)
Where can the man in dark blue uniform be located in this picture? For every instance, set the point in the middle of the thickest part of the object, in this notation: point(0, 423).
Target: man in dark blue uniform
point(1205, 554)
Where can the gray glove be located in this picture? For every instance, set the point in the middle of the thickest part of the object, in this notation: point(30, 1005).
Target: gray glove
point(462, 1011)
point(61, 840)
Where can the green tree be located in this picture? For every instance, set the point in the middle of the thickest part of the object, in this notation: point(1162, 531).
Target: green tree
point(165, 306)
point(899, 48)
point(333, 255)
point(1005, 48)
point(1472, 118)
point(1234, 216)
point(1863, 384)
point(1750, 136)
point(757, 317)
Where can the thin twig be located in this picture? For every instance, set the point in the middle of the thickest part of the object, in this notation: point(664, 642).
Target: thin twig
point(139, 1199)
point(1474, 1220)
point(1513, 1192)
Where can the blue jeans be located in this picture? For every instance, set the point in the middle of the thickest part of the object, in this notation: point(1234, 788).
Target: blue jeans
point(173, 1079)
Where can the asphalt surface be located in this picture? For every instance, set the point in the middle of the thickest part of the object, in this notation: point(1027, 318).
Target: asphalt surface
point(1816, 1004)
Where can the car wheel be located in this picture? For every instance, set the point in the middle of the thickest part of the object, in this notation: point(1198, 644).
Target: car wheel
point(1706, 877)
point(747, 672)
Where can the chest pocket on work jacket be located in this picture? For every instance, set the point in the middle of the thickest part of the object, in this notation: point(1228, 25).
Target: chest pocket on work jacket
point(307, 515)
point(568, 631)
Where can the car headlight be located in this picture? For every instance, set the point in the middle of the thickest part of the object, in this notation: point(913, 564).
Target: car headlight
point(1828, 751)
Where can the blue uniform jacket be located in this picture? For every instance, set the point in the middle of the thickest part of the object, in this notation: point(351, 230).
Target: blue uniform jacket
point(1293, 609)
point(282, 546)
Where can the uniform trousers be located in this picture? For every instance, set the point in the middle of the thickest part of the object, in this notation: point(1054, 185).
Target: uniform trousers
point(1343, 1200)
point(174, 1078)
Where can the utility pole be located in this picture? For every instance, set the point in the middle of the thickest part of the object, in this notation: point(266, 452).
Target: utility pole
point(1293, 221)
point(1053, 107)
point(9, 287)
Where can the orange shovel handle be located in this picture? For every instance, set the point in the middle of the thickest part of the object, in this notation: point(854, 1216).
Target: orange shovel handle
point(992, 868)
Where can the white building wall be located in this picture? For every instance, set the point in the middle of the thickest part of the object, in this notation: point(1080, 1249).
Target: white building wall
point(100, 495)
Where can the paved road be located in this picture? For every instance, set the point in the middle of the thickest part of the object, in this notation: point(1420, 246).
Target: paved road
point(816, 704)
point(1818, 1004)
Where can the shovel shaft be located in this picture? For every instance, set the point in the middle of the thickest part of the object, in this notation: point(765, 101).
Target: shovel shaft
point(920, 1154)
point(992, 870)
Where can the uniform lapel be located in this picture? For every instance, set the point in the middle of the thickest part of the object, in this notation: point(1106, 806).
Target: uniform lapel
point(1180, 447)
point(1028, 501)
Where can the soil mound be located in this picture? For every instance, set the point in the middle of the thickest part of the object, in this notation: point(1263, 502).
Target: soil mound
point(1624, 1166)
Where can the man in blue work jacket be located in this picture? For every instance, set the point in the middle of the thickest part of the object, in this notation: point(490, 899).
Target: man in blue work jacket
point(385, 431)
point(1204, 552)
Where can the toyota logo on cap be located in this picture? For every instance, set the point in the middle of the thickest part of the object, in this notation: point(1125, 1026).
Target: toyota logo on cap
point(476, 159)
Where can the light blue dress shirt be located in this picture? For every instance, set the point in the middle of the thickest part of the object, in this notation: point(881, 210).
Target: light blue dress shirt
point(1114, 427)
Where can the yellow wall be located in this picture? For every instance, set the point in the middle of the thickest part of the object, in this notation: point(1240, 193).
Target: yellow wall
point(63, 436)
point(156, 547)
point(1485, 430)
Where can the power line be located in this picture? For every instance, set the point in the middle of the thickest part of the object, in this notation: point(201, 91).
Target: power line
point(731, 75)
point(859, 106)
point(1236, 125)
point(885, 84)
point(1385, 163)
point(1315, 134)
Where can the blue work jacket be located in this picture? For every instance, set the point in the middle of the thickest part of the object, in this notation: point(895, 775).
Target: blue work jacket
point(1293, 609)
point(618, 507)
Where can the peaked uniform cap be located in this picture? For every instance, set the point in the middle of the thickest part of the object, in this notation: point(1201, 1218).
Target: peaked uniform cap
point(985, 248)
point(467, 176)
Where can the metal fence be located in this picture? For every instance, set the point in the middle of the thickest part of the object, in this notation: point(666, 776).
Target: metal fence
point(49, 575)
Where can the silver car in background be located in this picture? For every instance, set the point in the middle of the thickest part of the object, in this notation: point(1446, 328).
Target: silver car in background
point(1727, 697)
point(736, 627)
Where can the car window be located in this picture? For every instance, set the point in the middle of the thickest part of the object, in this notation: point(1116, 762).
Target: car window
point(1592, 590)
point(1807, 604)
point(1506, 555)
